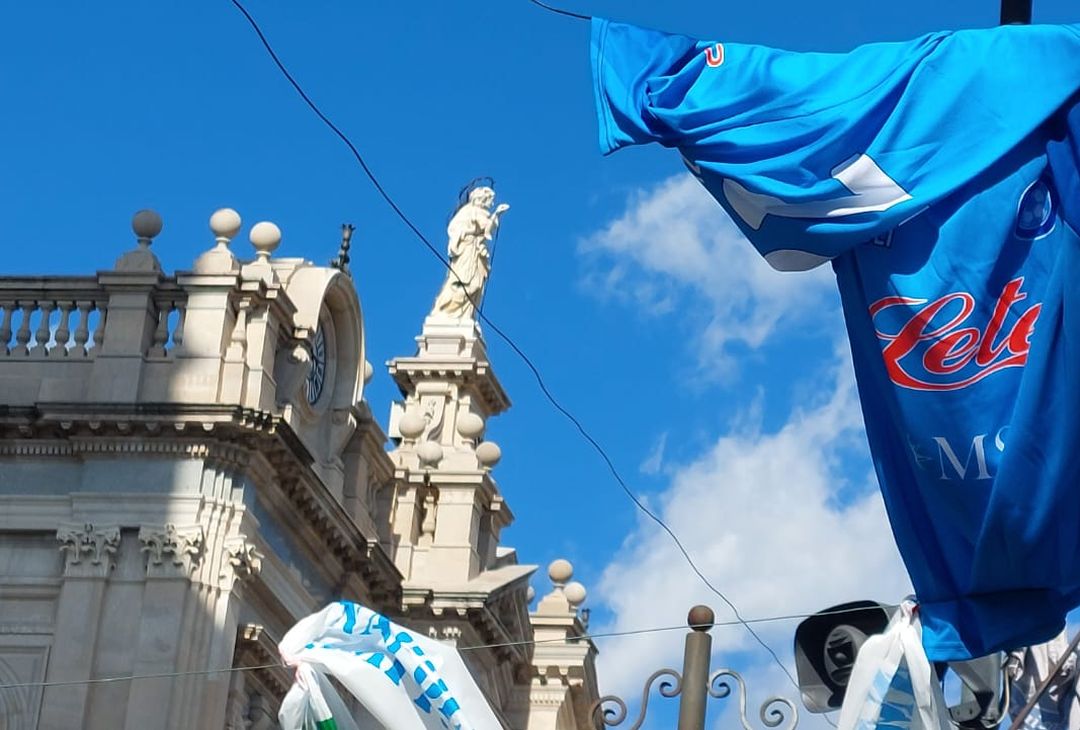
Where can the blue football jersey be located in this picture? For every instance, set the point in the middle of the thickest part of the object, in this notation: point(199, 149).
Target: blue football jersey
point(939, 176)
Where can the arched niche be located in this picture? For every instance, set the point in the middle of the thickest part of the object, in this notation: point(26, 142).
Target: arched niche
point(328, 310)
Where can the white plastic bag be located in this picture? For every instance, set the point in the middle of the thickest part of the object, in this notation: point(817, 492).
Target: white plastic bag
point(404, 680)
point(313, 704)
point(892, 684)
point(1059, 706)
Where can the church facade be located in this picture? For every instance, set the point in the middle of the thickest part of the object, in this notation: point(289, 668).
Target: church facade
point(188, 466)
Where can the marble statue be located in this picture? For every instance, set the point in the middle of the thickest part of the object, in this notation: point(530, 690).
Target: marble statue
point(470, 230)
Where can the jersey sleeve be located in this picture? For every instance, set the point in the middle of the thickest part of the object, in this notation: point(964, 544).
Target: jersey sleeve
point(1064, 155)
point(813, 153)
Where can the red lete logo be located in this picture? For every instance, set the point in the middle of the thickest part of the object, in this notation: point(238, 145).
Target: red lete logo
point(927, 354)
point(714, 55)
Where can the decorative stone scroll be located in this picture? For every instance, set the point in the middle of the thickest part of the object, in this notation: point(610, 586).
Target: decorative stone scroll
point(242, 560)
point(88, 549)
point(171, 550)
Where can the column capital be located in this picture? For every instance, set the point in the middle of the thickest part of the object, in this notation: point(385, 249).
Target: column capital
point(88, 549)
point(172, 551)
point(243, 561)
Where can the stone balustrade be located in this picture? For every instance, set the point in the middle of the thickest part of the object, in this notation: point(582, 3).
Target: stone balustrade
point(54, 329)
point(135, 334)
point(51, 317)
point(229, 332)
point(169, 314)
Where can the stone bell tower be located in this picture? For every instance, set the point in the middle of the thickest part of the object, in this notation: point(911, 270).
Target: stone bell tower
point(449, 517)
point(448, 511)
point(452, 515)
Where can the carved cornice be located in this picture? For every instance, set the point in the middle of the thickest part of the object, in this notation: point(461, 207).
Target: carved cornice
point(223, 453)
point(492, 630)
point(357, 553)
point(542, 695)
point(445, 632)
point(88, 549)
point(569, 673)
point(229, 436)
point(223, 434)
point(255, 648)
point(474, 376)
point(498, 617)
point(172, 551)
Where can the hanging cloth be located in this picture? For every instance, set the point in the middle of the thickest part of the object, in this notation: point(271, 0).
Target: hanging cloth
point(939, 176)
point(402, 679)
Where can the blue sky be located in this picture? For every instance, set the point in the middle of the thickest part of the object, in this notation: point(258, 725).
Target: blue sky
point(720, 388)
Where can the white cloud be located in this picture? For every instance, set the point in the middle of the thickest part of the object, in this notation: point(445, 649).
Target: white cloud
point(654, 462)
point(673, 236)
point(784, 520)
point(759, 513)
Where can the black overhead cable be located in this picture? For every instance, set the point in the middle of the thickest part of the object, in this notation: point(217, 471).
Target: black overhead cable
point(506, 338)
point(568, 13)
point(474, 647)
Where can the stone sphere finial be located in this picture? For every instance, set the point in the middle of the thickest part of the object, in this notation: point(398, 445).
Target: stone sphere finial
point(369, 372)
point(530, 594)
point(560, 571)
point(575, 593)
point(488, 454)
point(470, 425)
point(411, 426)
point(146, 224)
point(430, 453)
point(265, 237)
point(225, 223)
point(700, 618)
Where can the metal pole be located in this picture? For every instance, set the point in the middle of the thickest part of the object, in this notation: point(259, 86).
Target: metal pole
point(695, 674)
point(1015, 12)
point(1018, 721)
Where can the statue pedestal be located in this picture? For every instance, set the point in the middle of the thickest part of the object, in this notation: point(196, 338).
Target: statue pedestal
point(444, 336)
point(451, 357)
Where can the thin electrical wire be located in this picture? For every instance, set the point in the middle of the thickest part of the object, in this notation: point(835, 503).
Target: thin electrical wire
point(506, 338)
point(475, 647)
point(341, 135)
point(568, 13)
point(660, 629)
point(133, 677)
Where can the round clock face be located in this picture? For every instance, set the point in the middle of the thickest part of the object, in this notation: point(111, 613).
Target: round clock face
point(317, 374)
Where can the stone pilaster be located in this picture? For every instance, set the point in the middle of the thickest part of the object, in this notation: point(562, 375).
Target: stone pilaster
point(89, 557)
point(130, 324)
point(172, 554)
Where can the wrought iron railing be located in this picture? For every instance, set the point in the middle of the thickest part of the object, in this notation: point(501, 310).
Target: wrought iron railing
point(694, 687)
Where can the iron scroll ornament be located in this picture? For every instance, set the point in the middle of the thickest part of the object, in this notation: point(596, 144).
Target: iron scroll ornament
point(776, 713)
point(615, 716)
point(316, 377)
point(771, 713)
